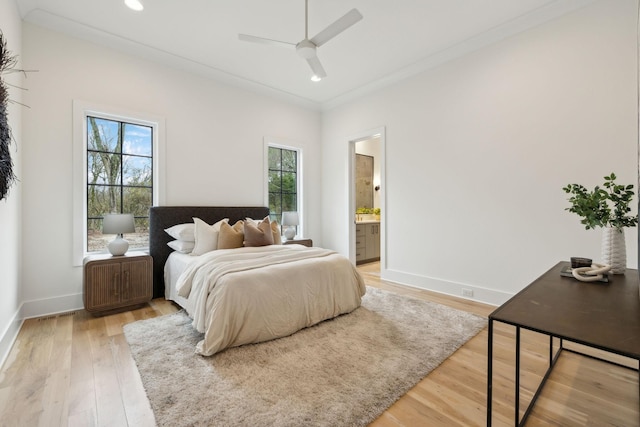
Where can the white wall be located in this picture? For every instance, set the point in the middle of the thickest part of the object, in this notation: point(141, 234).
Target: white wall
point(487, 142)
point(10, 223)
point(214, 147)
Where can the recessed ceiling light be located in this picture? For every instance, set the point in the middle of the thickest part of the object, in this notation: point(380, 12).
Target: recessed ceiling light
point(315, 78)
point(134, 4)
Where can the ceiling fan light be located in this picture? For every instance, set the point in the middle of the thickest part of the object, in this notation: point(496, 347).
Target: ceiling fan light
point(306, 49)
point(134, 5)
point(315, 78)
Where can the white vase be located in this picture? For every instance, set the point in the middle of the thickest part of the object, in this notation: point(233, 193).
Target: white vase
point(614, 249)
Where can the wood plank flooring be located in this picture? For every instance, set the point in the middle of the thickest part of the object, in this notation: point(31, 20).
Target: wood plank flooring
point(76, 370)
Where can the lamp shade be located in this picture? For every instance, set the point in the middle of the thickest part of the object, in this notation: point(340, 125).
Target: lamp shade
point(118, 224)
point(290, 218)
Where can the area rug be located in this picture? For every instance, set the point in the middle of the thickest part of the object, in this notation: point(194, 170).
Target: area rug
point(341, 372)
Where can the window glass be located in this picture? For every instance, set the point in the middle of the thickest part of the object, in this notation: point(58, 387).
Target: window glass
point(119, 178)
point(283, 181)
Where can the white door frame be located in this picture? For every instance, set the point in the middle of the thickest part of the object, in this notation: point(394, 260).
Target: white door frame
point(351, 194)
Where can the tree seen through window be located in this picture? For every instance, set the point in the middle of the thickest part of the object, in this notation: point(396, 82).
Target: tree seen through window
point(119, 178)
point(283, 182)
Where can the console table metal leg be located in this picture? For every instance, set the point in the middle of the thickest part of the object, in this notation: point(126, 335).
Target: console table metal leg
point(517, 402)
point(489, 372)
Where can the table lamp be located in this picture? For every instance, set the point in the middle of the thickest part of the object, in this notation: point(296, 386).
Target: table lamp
point(290, 220)
point(118, 224)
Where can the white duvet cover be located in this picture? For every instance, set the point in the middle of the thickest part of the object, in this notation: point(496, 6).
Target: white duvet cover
point(249, 295)
point(173, 268)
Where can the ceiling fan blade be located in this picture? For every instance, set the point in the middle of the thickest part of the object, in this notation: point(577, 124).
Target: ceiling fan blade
point(316, 67)
point(255, 39)
point(337, 27)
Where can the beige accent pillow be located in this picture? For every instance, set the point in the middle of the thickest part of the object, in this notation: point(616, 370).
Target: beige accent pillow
point(206, 236)
point(258, 235)
point(231, 237)
point(275, 228)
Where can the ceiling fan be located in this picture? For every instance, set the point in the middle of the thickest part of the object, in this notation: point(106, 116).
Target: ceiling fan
point(307, 47)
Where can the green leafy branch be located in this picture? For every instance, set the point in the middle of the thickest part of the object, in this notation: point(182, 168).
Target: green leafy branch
point(606, 206)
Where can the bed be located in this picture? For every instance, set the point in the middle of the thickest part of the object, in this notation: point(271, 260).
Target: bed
point(249, 294)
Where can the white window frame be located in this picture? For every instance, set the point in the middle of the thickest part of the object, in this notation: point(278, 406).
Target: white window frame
point(293, 146)
point(82, 110)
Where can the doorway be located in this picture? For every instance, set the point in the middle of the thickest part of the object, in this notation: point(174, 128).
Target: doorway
point(367, 207)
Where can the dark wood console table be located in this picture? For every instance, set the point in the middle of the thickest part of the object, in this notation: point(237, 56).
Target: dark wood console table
point(605, 316)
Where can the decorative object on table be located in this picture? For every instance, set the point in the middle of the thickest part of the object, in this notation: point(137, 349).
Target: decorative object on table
point(118, 224)
point(577, 262)
point(614, 249)
point(595, 272)
point(290, 221)
point(584, 274)
point(606, 207)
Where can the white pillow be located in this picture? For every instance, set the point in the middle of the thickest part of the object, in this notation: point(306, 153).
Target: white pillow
point(206, 236)
point(184, 232)
point(181, 246)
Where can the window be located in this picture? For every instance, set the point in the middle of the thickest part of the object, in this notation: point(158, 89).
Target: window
point(283, 180)
point(119, 178)
point(118, 164)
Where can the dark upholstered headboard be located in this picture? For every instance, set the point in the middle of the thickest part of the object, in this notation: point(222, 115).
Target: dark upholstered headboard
point(162, 217)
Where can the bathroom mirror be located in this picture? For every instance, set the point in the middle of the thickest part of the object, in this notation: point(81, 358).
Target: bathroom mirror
point(364, 181)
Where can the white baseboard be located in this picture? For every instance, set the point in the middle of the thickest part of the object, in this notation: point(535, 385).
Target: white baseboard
point(9, 336)
point(50, 306)
point(484, 295)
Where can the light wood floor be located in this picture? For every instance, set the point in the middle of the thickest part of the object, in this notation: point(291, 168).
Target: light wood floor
point(76, 370)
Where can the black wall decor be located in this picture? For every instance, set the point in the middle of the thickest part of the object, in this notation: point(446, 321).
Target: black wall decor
point(7, 177)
